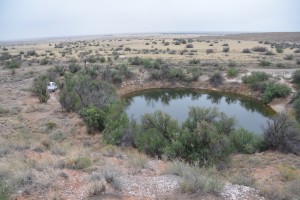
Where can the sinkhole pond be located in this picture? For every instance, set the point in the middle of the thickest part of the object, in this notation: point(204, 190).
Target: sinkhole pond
point(250, 114)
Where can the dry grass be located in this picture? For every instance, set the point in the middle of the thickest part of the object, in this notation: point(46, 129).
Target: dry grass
point(40, 146)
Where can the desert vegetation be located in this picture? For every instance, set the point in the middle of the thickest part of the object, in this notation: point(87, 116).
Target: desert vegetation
point(82, 135)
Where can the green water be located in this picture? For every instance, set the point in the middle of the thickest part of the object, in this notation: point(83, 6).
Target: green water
point(249, 114)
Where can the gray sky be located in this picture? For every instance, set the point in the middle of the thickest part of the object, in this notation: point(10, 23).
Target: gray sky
point(24, 19)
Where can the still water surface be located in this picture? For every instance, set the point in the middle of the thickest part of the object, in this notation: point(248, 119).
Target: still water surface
point(249, 114)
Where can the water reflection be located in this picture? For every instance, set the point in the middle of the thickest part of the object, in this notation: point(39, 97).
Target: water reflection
point(250, 113)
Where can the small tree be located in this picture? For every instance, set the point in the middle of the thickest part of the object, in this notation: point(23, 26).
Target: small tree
point(39, 88)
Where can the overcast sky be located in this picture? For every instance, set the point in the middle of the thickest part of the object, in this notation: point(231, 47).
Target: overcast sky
point(24, 19)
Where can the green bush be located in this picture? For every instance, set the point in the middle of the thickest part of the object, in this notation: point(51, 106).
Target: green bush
point(94, 118)
point(232, 72)
point(275, 90)
point(156, 133)
point(257, 80)
point(39, 88)
point(136, 61)
point(74, 67)
point(81, 91)
point(264, 63)
point(119, 129)
point(279, 49)
point(68, 97)
point(244, 141)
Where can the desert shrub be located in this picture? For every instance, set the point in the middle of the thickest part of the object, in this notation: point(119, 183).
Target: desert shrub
point(298, 61)
point(68, 97)
point(13, 64)
point(208, 51)
point(119, 130)
point(94, 118)
point(279, 49)
point(296, 106)
point(194, 61)
point(232, 72)
point(31, 53)
point(282, 133)
point(246, 50)
point(174, 73)
point(297, 51)
point(60, 70)
point(39, 88)
point(5, 192)
point(288, 57)
point(232, 64)
point(204, 145)
point(257, 80)
point(264, 63)
point(58, 136)
point(195, 179)
point(259, 49)
point(117, 78)
point(125, 71)
point(44, 61)
point(136, 60)
point(225, 49)
point(275, 90)
point(244, 141)
point(189, 46)
point(94, 92)
point(225, 44)
point(81, 162)
point(156, 133)
point(296, 77)
point(5, 56)
point(196, 72)
point(269, 53)
point(74, 67)
point(216, 79)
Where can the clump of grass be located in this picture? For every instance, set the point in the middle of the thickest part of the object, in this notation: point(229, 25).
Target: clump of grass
point(138, 160)
point(81, 162)
point(242, 179)
point(195, 179)
point(58, 136)
point(112, 177)
point(288, 173)
point(232, 72)
point(96, 188)
point(51, 125)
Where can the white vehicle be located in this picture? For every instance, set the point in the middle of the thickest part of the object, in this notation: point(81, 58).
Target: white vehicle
point(51, 86)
